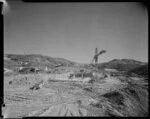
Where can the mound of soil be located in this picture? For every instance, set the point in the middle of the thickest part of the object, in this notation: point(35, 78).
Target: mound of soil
point(129, 101)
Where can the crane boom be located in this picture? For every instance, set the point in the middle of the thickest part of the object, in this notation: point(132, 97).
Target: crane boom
point(97, 54)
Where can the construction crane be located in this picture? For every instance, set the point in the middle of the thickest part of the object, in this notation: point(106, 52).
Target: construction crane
point(95, 58)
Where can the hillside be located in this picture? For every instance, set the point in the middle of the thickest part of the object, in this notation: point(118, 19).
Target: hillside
point(121, 64)
point(11, 61)
point(141, 71)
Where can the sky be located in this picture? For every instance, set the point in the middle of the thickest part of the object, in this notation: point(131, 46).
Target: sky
point(73, 30)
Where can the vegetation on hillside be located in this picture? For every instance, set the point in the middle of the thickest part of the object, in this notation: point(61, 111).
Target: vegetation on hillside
point(121, 65)
point(141, 71)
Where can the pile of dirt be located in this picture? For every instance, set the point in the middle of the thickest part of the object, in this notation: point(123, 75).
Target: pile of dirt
point(129, 101)
point(80, 75)
point(27, 70)
point(24, 80)
point(20, 81)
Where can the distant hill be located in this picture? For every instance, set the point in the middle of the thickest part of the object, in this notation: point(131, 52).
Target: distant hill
point(121, 64)
point(141, 70)
point(11, 61)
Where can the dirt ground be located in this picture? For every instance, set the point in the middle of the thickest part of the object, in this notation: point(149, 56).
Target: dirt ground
point(49, 95)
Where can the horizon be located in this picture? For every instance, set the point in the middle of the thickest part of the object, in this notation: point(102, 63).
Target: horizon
point(73, 30)
point(74, 61)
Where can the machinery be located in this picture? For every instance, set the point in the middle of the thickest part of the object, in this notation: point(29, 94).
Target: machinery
point(95, 58)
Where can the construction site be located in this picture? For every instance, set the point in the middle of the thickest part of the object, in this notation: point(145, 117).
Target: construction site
point(71, 89)
point(75, 59)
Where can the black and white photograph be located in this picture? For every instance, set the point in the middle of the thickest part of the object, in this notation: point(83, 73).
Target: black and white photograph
point(75, 59)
